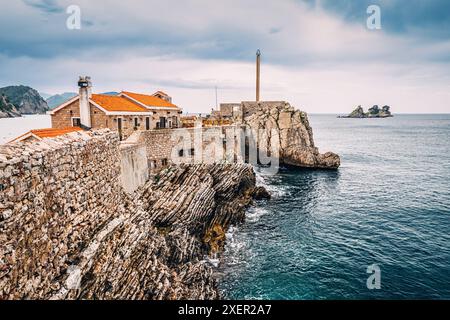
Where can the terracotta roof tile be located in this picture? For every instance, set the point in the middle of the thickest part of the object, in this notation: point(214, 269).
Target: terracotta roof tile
point(117, 104)
point(46, 133)
point(51, 132)
point(150, 101)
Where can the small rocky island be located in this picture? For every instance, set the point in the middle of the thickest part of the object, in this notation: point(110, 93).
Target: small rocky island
point(374, 112)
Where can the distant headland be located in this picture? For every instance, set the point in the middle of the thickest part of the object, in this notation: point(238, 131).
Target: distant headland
point(374, 112)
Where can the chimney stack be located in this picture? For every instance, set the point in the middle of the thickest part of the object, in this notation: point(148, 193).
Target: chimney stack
point(85, 93)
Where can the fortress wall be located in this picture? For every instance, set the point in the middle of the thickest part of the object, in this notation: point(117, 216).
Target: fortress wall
point(163, 146)
point(68, 231)
point(55, 195)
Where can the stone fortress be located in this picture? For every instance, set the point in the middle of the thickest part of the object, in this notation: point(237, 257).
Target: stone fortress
point(102, 208)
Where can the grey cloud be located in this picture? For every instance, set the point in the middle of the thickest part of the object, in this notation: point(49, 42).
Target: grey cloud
point(46, 6)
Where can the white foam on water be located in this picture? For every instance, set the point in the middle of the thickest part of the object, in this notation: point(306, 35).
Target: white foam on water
point(264, 181)
point(255, 213)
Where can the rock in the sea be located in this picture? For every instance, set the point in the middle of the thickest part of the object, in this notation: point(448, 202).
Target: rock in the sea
point(374, 112)
point(357, 113)
point(296, 143)
point(260, 193)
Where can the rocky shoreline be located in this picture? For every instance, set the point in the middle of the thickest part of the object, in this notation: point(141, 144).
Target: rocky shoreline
point(69, 229)
point(151, 245)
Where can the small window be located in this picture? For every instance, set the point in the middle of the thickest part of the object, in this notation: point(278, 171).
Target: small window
point(164, 162)
point(192, 152)
point(136, 122)
point(76, 122)
point(181, 153)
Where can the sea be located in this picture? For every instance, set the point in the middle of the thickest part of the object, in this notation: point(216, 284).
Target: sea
point(383, 218)
point(11, 128)
point(377, 228)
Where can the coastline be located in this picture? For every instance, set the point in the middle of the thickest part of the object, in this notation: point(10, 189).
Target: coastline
point(149, 245)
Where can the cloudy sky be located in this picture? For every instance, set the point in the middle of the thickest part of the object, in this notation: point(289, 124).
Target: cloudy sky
point(319, 55)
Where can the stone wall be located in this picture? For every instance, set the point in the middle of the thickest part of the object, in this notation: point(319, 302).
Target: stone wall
point(54, 197)
point(134, 166)
point(217, 144)
point(69, 231)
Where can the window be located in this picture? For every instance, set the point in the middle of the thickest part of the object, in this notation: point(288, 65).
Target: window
point(136, 123)
point(192, 152)
point(181, 153)
point(76, 122)
point(164, 162)
point(147, 123)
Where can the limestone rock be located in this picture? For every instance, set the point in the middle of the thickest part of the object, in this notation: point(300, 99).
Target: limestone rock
point(296, 143)
point(374, 112)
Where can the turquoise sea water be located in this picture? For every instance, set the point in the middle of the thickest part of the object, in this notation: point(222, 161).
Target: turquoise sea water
point(388, 204)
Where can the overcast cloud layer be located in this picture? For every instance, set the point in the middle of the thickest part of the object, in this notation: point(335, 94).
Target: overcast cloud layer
point(319, 55)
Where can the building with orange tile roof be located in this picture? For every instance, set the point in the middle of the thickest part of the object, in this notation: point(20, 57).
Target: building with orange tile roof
point(125, 112)
point(40, 134)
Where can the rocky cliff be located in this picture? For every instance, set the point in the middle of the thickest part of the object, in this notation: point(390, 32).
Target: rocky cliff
point(26, 100)
point(7, 109)
point(296, 143)
point(69, 231)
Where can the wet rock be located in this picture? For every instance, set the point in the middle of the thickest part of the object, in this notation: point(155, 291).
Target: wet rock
point(260, 193)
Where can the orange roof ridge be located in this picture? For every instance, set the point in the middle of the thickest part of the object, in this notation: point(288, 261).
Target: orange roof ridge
point(46, 133)
point(149, 100)
point(53, 132)
point(117, 103)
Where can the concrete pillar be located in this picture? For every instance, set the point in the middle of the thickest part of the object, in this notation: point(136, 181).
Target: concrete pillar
point(258, 74)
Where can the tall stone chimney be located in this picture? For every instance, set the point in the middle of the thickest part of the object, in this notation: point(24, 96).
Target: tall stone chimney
point(85, 92)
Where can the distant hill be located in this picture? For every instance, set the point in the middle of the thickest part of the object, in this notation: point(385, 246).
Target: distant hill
point(59, 99)
point(7, 109)
point(17, 100)
point(44, 95)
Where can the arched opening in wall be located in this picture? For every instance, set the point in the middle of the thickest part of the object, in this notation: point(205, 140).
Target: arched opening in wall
point(181, 153)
